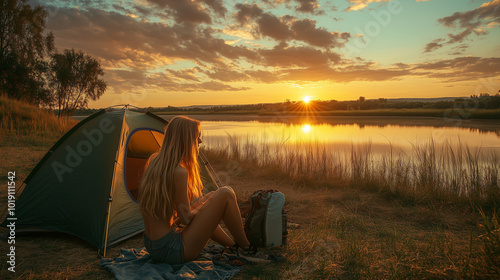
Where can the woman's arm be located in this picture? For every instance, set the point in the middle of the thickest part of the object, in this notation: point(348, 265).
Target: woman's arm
point(181, 196)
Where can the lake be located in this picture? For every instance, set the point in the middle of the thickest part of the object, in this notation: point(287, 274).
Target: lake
point(461, 157)
point(381, 133)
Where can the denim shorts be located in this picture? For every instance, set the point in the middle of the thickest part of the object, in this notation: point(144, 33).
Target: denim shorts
point(168, 249)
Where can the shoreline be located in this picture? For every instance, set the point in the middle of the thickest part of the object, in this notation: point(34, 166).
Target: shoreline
point(489, 125)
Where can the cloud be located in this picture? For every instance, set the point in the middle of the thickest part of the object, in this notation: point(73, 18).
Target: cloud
point(287, 27)
point(123, 42)
point(184, 74)
point(460, 49)
point(164, 83)
point(126, 80)
point(271, 26)
point(448, 70)
point(192, 11)
point(263, 76)
point(116, 37)
point(436, 44)
point(216, 86)
point(283, 55)
point(308, 6)
point(361, 4)
point(226, 75)
point(305, 30)
point(247, 12)
point(143, 11)
point(460, 69)
point(476, 21)
point(488, 11)
point(217, 6)
point(341, 75)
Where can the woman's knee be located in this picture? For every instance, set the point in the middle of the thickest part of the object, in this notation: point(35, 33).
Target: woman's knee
point(226, 191)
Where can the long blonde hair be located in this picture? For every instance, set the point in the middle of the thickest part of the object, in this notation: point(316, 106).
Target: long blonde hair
point(180, 147)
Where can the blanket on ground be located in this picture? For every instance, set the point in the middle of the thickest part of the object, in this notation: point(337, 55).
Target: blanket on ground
point(133, 264)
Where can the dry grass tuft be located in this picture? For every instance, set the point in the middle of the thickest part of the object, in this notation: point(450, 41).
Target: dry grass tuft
point(22, 124)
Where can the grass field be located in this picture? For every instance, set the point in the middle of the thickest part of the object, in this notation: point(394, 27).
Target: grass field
point(346, 229)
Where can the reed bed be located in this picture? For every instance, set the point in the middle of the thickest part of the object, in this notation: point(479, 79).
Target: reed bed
point(425, 171)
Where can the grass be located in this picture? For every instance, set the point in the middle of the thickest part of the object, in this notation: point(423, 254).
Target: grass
point(364, 236)
point(358, 232)
point(26, 134)
point(350, 225)
point(24, 125)
point(456, 174)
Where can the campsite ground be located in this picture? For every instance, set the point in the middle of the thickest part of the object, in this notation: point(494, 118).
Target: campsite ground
point(345, 233)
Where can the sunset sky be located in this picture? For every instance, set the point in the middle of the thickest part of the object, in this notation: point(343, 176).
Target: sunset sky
point(208, 52)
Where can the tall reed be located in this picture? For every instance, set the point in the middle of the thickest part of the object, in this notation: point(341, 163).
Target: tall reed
point(427, 170)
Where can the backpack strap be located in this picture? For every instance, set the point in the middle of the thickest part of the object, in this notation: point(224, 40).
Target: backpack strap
point(250, 214)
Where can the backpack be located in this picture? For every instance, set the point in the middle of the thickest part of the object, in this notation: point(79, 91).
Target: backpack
point(266, 222)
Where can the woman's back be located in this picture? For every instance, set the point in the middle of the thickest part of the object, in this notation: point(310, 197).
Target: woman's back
point(154, 228)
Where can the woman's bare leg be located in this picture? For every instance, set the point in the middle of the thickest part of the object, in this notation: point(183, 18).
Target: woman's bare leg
point(221, 237)
point(221, 206)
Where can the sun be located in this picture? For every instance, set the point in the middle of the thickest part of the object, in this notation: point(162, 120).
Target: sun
point(306, 99)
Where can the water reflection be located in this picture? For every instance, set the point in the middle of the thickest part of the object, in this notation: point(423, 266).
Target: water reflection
point(306, 128)
point(396, 136)
point(481, 126)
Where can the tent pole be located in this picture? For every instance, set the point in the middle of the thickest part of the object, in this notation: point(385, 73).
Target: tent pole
point(210, 169)
point(107, 226)
point(110, 199)
point(113, 181)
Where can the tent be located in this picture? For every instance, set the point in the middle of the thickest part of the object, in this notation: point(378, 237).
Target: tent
point(87, 183)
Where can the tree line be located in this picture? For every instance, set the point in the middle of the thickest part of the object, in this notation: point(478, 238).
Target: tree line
point(482, 101)
point(34, 71)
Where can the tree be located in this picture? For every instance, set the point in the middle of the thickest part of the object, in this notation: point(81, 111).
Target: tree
point(75, 80)
point(23, 46)
point(361, 103)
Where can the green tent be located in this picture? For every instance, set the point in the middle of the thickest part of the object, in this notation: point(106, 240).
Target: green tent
point(86, 185)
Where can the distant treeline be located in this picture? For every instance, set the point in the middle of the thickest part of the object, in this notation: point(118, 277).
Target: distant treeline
point(483, 101)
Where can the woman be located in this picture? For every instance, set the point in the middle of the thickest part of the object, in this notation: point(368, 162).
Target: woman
point(169, 185)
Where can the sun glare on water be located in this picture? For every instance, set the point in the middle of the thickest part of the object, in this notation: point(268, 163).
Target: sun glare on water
point(306, 128)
